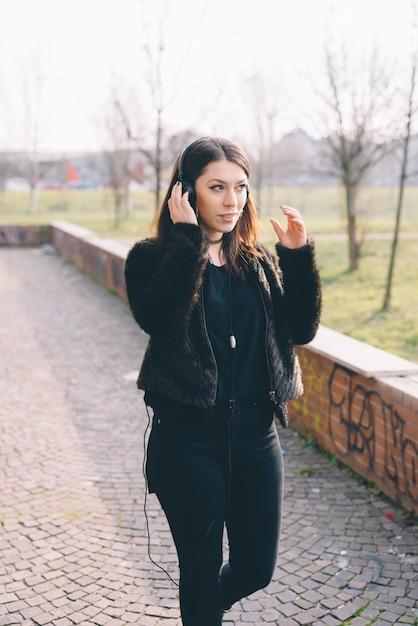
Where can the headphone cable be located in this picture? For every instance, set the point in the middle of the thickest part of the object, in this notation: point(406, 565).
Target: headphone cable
point(144, 463)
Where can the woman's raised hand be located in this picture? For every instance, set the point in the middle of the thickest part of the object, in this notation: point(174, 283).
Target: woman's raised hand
point(295, 234)
point(180, 207)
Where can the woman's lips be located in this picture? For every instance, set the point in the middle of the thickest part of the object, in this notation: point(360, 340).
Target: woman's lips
point(229, 217)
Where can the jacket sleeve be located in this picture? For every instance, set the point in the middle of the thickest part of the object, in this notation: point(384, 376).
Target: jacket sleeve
point(162, 284)
point(302, 290)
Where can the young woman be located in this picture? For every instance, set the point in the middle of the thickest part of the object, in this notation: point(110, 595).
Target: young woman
point(223, 315)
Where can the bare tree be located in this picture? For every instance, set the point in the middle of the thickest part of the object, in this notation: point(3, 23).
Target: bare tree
point(152, 143)
point(118, 151)
point(354, 106)
point(405, 142)
point(33, 125)
point(24, 117)
point(156, 53)
point(264, 107)
point(6, 169)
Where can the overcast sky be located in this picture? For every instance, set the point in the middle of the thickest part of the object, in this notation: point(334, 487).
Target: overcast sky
point(211, 49)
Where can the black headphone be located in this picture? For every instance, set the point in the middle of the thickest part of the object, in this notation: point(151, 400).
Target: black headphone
point(186, 185)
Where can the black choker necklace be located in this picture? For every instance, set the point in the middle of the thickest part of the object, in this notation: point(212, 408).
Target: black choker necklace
point(213, 241)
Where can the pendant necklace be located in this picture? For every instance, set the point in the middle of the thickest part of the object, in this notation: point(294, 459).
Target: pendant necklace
point(227, 293)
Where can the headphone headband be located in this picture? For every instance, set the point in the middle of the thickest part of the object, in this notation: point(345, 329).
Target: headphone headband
point(183, 156)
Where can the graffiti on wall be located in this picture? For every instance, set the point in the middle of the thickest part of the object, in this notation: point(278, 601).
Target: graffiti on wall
point(361, 423)
point(34, 235)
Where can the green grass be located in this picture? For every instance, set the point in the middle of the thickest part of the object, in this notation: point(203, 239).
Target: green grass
point(90, 208)
point(323, 208)
point(352, 300)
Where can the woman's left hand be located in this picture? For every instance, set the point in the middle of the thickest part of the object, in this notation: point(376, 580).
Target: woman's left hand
point(295, 234)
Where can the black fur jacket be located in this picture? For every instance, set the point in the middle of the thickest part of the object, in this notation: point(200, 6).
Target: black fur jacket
point(166, 289)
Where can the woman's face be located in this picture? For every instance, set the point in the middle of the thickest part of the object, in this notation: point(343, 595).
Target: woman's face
point(221, 194)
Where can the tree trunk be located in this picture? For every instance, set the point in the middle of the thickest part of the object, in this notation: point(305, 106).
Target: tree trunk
point(118, 198)
point(32, 201)
point(388, 290)
point(158, 164)
point(353, 246)
point(402, 181)
point(128, 200)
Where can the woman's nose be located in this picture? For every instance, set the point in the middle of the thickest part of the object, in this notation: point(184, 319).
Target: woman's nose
point(230, 198)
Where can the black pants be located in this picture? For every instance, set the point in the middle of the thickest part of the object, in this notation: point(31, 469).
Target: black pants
point(213, 469)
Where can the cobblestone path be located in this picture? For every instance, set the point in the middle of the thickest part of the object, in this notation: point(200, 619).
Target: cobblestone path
point(73, 538)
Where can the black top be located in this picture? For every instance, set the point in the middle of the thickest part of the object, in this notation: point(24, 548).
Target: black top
point(235, 308)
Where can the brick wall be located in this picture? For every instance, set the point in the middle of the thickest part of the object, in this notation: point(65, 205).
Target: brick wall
point(360, 403)
point(103, 259)
point(369, 422)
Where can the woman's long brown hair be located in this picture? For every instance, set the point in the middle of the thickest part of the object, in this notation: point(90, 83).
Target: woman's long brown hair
point(195, 158)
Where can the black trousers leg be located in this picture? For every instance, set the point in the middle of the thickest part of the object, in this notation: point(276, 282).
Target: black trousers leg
point(211, 470)
point(253, 517)
point(191, 485)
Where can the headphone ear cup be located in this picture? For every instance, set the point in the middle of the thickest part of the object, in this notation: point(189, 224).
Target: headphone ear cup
point(192, 196)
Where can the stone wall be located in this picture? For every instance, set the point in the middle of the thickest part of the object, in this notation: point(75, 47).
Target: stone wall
point(360, 403)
